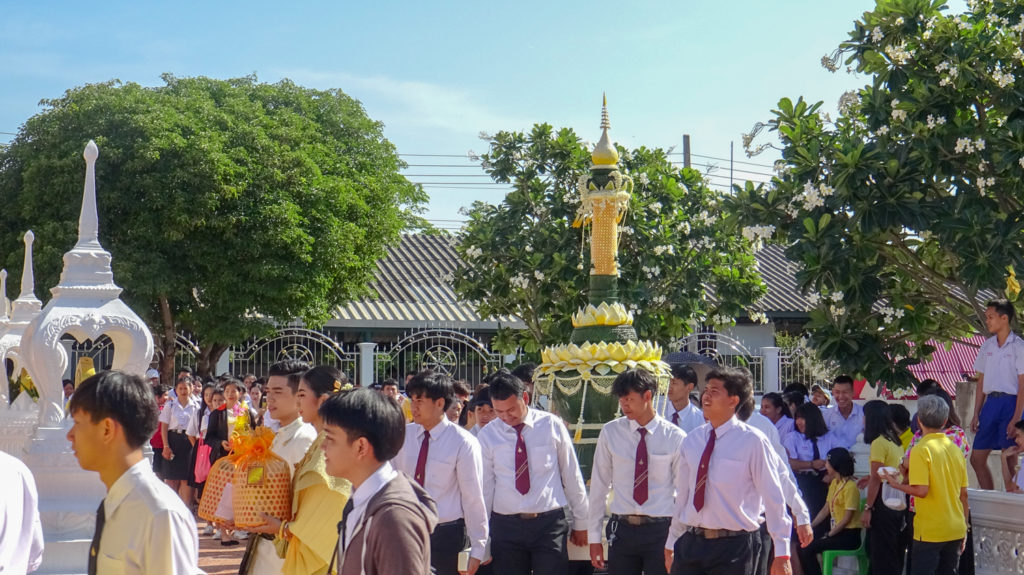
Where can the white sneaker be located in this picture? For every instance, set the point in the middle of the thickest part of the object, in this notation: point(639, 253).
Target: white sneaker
point(209, 529)
point(216, 534)
point(241, 535)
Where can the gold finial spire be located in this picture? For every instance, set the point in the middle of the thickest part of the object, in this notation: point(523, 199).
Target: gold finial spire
point(604, 153)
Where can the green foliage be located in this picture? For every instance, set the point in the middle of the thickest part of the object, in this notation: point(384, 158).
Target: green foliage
point(524, 259)
point(232, 200)
point(906, 210)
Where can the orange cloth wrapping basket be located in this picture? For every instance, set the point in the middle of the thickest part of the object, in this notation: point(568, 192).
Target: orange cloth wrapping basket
point(262, 482)
point(222, 472)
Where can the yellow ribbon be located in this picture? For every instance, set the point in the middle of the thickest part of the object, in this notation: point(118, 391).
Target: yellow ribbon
point(1012, 285)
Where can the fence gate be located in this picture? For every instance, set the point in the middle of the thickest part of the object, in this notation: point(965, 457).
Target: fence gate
point(725, 351)
point(458, 354)
point(296, 343)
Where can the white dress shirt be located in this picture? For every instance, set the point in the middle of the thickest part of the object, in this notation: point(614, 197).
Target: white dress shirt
point(742, 476)
point(21, 533)
point(148, 530)
point(785, 426)
point(845, 429)
point(453, 476)
point(802, 449)
point(177, 417)
point(197, 425)
point(555, 478)
point(789, 488)
point(361, 498)
point(690, 417)
point(271, 423)
point(290, 444)
point(1001, 366)
point(615, 468)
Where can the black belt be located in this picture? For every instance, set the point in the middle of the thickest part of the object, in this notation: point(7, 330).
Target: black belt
point(459, 521)
point(1000, 394)
point(639, 519)
point(716, 533)
point(175, 431)
point(531, 515)
point(268, 536)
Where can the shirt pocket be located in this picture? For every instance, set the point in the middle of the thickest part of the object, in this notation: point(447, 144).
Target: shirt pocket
point(661, 468)
point(440, 471)
point(542, 458)
point(725, 472)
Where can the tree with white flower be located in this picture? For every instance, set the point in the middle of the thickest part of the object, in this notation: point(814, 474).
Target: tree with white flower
point(926, 168)
point(524, 259)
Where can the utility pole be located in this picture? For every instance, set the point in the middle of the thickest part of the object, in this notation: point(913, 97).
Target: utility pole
point(686, 150)
point(730, 165)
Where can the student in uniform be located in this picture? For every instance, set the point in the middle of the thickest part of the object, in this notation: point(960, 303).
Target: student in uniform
point(530, 474)
point(775, 408)
point(445, 460)
point(142, 526)
point(636, 459)
point(884, 525)
point(178, 446)
point(679, 410)
point(807, 447)
point(727, 473)
point(842, 512)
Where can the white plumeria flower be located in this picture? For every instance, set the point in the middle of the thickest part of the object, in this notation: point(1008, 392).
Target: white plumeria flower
point(836, 296)
point(882, 130)
point(539, 275)
point(655, 207)
point(876, 35)
point(837, 311)
point(643, 179)
point(529, 249)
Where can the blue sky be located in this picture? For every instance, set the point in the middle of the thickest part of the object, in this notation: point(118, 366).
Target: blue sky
point(439, 73)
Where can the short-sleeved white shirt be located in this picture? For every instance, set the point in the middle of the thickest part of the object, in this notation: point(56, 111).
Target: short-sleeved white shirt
point(1001, 365)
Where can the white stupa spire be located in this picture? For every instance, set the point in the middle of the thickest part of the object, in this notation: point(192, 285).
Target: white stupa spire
point(3, 295)
point(27, 304)
point(88, 221)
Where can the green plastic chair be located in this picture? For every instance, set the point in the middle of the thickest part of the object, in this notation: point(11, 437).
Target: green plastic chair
point(828, 558)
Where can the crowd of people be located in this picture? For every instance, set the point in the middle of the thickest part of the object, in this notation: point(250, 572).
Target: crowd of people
point(692, 482)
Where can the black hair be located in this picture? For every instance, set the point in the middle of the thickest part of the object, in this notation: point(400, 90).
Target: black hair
point(841, 460)
point(952, 419)
point(392, 381)
point(524, 371)
point(745, 409)
point(844, 379)
point(1003, 306)
point(185, 369)
point(797, 398)
point(878, 422)
point(505, 385)
point(365, 413)
point(637, 379)
point(776, 399)
point(65, 382)
point(286, 368)
point(925, 385)
point(217, 390)
point(900, 416)
point(123, 397)
point(794, 387)
point(814, 422)
point(158, 389)
point(232, 381)
point(482, 396)
point(685, 373)
point(433, 386)
point(202, 398)
point(459, 387)
point(735, 380)
point(323, 380)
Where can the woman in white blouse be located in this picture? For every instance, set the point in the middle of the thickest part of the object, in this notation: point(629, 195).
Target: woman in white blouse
point(178, 446)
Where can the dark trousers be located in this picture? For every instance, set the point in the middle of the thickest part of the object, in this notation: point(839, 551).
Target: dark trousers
point(446, 542)
point(636, 549)
point(764, 551)
point(813, 490)
point(885, 540)
point(695, 555)
point(936, 558)
point(524, 546)
point(844, 540)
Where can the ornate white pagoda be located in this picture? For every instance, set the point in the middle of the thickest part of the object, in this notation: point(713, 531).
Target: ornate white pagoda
point(23, 310)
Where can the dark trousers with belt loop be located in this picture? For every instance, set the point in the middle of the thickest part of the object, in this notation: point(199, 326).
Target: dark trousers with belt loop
point(636, 545)
point(522, 544)
point(699, 555)
point(446, 542)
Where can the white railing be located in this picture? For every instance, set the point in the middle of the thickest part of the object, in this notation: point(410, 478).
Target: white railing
point(998, 525)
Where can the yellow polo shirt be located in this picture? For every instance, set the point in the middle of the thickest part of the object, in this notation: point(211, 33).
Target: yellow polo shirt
point(938, 463)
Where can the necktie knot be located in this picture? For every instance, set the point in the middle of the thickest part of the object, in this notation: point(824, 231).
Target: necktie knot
point(643, 432)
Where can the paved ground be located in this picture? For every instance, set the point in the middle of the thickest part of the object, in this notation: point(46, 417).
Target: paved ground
point(215, 559)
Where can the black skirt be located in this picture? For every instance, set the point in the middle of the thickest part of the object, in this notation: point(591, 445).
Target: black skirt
point(178, 468)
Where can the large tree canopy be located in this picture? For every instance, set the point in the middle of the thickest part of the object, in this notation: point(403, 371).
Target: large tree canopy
point(223, 202)
point(905, 211)
point(524, 259)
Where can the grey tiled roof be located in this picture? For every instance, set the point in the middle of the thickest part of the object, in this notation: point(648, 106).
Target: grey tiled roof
point(779, 274)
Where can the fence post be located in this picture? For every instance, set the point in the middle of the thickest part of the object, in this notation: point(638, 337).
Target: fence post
point(366, 364)
point(771, 368)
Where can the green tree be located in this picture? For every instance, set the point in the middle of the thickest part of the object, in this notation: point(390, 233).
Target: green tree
point(524, 259)
point(223, 202)
point(905, 211)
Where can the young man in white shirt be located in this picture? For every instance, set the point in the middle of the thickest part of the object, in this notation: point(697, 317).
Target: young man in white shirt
point(679, 410)
point(636, 459)
point(21, 542)
point(445, 460)
point(728, 473)
point(142, 526)
point(530, 474)
point(999, 399)
point(845, 419)
point(290, 443)
point(386, 525)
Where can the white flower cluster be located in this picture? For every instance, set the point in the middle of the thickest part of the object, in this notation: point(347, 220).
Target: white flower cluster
point(529, 249)
point(814, 298)
point(758, 317)
point(813, 197)
point(1002, 78)
point(984, 184)
point(848, 101)
point(643, 179)
point(569, 197)
point(897, 114)
point(539, 275)
point(898, 53)
point(969, 146)
point(721, 319)
point(651, 272)
point(705, 218)
point(780, 167)
point(520, 281)
point(659, 299)
point(655, 207)
point(836, 296)
point(837, 310)
point(881, 131)
point(934, 121)
point(1021, 161)
point(951, 73)
point(669, 249)
point(474, 252)
point(757, 234)
point(626, 230)
point(876, 35)
point(684, 227)
point(889, 314)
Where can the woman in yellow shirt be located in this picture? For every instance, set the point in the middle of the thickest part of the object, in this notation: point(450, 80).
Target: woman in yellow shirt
point(842, 508)
point(887, 547)
point(307, 541)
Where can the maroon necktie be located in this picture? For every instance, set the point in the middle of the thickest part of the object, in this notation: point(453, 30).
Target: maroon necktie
point(675, 419)
point(640, 473)
point(421, 463)
point(702, 472)
point(522, 464)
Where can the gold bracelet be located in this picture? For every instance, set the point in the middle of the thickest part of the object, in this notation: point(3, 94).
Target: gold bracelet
point(280, 531)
